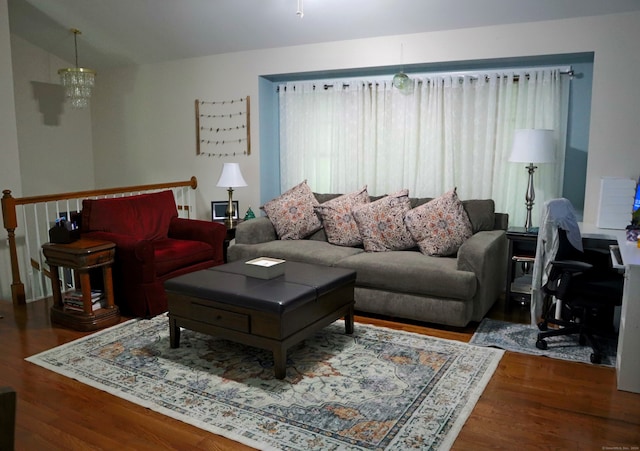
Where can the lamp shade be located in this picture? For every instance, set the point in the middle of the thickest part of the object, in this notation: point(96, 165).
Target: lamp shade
point(533, 146)
point(231, 176)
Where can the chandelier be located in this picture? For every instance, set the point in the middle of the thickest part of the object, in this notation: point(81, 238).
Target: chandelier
point(77, 81)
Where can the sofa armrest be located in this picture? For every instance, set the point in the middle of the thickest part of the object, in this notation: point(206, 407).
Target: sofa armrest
point(254, 231)
point(484, 252)
point(135, 257)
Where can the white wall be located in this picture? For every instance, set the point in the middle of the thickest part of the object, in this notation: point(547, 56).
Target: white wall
point(56, 150)
point(10, 161)
point(614, 139)
point(144, 125)
point(144, 116)
point(46, 145)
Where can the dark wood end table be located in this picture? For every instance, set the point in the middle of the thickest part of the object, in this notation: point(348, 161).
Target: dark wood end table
point(521, 255)
point(231, 234)
point(82, 256)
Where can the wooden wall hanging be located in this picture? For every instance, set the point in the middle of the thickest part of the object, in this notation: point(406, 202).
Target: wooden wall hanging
point(223, 128)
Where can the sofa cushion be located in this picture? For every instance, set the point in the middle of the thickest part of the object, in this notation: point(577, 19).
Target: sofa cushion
point(381, 223)
point(337, 218)
point(307, 251)
point(417, 201)
point(322, 198)
point(292, 213)
point(171, 255)
point(412, 272)
point(144, 216)
point(319, 235)
point(439, 226)
point(481, 213)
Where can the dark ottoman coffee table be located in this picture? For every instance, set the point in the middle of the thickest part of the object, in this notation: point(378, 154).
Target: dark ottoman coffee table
point(272, 314)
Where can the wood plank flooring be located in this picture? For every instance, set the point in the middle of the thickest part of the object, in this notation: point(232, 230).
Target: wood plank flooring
point(530, 403)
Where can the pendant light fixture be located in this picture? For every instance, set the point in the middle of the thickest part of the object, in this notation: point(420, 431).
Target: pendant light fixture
point(78, 82)
point(401, 81)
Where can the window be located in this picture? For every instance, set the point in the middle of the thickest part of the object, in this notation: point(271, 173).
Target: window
point(449, 130)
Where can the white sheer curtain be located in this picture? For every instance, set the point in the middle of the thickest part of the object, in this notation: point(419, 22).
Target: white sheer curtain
point(448, 131)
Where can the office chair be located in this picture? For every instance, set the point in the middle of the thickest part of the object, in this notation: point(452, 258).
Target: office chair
point(589, 290)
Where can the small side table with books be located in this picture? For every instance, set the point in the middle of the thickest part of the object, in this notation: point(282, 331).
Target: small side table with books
point(82, 309)
point(521, 255)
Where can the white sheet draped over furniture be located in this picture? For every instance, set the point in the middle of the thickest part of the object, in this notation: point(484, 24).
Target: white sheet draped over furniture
point(556, 213)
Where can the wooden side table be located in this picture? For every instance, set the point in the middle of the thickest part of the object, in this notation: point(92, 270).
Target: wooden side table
point(82, 256)
point(231, 234)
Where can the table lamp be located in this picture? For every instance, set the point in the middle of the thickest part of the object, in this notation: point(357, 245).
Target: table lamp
point(532, 146)
point(230, 178)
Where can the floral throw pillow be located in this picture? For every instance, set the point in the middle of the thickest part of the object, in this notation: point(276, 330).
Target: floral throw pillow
point(439, 226)
point(337, 218)
point(381, 223)
point(292, 213)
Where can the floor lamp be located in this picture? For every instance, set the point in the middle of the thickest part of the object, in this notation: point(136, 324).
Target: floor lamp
point(532, 146)
point(230, 178)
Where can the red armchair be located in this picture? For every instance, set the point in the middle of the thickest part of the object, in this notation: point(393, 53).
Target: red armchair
point(152, 245)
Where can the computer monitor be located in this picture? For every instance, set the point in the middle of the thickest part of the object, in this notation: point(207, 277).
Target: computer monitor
point(636, 199)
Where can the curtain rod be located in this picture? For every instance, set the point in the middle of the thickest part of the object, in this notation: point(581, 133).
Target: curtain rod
point(516, 77)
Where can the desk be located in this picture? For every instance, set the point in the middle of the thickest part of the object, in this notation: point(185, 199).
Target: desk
point(627, 362)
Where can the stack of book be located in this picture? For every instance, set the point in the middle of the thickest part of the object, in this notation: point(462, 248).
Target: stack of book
point(72, 301)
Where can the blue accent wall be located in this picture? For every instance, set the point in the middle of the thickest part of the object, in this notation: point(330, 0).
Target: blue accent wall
point(269, 140)
point(578, 121)
point(575, 163)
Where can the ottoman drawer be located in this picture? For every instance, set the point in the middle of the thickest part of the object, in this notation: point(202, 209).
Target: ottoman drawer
point(220, 317)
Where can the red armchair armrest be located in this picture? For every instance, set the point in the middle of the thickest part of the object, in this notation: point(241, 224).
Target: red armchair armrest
point(209, 232)
point(136, 256)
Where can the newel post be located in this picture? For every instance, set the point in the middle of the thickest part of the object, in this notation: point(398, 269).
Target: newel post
point(10, 221)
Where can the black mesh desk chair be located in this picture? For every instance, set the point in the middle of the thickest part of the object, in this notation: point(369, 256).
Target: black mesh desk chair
point(589, 290)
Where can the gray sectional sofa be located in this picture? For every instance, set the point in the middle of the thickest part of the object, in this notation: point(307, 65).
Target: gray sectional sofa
point(407, 284)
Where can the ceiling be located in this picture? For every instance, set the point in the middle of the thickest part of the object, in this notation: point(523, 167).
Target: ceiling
point(124, 32)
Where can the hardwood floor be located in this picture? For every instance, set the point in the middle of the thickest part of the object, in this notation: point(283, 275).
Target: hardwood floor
point(530, 403)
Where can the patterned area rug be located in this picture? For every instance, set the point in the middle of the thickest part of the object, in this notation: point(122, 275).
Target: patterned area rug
point(377, 389)
point(522, 338)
